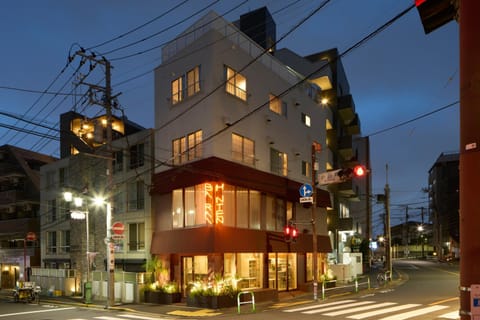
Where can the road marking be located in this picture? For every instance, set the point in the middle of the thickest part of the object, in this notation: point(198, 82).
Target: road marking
point(36, 311)
point(319, 306)
point(322, 310)
point(443, 301)
point(357, 309)
point(288, 304)
point(451, 315)
point(383, 311)
point(197, 313)
point(134, 316)
point(414, 313)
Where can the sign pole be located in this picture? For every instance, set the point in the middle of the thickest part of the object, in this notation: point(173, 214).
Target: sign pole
point(314, 229)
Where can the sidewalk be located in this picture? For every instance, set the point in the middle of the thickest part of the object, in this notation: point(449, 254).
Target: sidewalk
point(182, 310)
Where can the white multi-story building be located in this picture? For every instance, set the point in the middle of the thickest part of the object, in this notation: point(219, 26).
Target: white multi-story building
point(235, 128)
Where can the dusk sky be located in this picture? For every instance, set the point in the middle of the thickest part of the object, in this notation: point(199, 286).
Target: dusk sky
point(397, 76)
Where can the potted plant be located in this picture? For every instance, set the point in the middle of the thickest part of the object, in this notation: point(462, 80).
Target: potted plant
point(328, 279)
point(158, 287)
point(213, 293)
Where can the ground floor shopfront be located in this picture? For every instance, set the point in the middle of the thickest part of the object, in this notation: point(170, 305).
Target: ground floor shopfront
point(208, 254)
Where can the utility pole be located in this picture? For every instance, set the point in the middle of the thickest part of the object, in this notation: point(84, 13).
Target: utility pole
point(388, 249)
point(469, 154)
point(315, 148)
point(106, 102)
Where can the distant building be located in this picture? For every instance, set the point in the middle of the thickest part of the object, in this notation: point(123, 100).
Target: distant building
point(235, 128)
point(19, 212)
point(82, 171)
point(443, 187)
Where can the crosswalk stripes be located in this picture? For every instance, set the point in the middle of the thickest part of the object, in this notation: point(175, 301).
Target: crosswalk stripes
point(359, 310)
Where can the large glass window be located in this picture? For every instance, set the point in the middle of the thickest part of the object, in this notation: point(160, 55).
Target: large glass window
point(136, 236)
point(236, 84)
point(278, 162)
point(243, 149)
point(186, 85)
point(242, 208)
point(177, 208)
point(249, 270)
point(282, 271)
point(51, 242)
point(136, 195)
point(187, 148)
point(229, 206)
point(65, 241)
point(255, 205)
point(137, 156)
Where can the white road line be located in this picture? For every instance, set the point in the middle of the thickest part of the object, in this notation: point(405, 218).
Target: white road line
point(319, 306)
point(322, 310)
point(36, 311)
point(134, 316)
point(383, 311)
point(357, 309)
point(414, 313)
point(451, 315)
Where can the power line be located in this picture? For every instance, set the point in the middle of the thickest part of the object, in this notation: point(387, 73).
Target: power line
point(137, 28)
point(414, 119)
point(163, 30)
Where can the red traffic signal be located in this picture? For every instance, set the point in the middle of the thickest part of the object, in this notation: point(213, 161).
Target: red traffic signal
point(359, 171)
point(290, 233)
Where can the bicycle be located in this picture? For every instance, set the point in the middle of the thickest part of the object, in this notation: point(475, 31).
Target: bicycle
point(383, 277)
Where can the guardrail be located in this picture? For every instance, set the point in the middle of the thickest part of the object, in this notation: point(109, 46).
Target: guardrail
point(346, 287)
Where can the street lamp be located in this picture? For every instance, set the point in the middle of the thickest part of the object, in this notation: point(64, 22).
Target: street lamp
point(80, 215)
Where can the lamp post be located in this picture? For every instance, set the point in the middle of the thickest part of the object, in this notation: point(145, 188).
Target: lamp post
point(110, 253)
point(80, 215)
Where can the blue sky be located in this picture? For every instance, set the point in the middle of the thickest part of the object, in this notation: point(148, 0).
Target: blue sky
point(395, 77)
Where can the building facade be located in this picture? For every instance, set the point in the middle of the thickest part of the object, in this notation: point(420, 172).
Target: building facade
point(443, 187)
point(70, 243)
point(238, 132)
point(19, 212)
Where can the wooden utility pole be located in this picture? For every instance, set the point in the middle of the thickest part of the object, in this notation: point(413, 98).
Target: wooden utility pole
point(469, 154)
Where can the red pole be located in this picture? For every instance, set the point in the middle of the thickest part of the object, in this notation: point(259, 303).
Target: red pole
point(469, 151)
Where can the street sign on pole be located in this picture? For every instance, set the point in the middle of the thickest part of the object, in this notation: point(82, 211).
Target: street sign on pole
point(329, 177)
point(305, 190)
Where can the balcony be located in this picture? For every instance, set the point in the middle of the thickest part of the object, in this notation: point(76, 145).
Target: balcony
point(353, 127)
point(346, 109)
point(345, 147)
point(11, 197)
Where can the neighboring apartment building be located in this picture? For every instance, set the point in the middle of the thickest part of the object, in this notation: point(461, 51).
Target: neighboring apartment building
point(443, 187)
point(64, 243)
point(19, 212)
point(349, 217)
point(235, 128)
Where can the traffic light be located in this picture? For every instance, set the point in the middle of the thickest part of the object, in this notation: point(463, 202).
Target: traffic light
point(436, 13)
point(287, 233)
point(294, 233)
point(290, 232)
point(348, 173)
point(359, 171)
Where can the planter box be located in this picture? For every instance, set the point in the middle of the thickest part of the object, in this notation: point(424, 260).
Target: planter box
point(162, 297)
point(211, 302)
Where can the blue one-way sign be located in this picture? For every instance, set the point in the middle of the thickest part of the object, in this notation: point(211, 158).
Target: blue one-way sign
point(306, 190)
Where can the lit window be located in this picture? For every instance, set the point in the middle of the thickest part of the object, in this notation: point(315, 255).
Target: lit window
point(305, 169)
point(187, 148)
point(243, 149)
point(236, 84)
point(277, 105)
point(193, 81)
point(177, 90)
point(186, 85)
point(306, 120)
point(278, 162)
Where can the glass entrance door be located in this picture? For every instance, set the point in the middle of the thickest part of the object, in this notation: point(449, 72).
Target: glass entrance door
point(187, 273)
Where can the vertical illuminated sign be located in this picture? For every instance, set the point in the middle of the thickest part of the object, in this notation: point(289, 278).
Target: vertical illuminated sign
point(214, 201)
